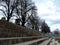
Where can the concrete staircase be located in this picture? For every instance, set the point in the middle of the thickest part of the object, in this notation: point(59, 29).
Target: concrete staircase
point(35, 40)
point(12, 34)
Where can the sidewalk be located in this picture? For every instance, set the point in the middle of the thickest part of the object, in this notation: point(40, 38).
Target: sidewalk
point(54, 42)
point(45, 42)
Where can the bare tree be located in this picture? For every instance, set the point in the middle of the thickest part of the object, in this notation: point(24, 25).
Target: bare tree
point(24, 9)
point(45, 28)
point(10, 6)
point(34, 19)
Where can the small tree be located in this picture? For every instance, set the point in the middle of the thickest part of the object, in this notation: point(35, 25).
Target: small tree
point(45, 28)
point(56, 32)
point(3, 18)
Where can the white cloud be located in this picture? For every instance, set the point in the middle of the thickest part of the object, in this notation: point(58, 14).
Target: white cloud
point(46, 8)
point(56, 26)
point(50, 11)
point(51, 17)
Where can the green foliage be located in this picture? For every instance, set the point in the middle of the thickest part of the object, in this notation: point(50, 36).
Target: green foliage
point(58, 40)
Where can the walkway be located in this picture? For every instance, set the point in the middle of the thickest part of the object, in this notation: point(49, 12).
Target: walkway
point(45, 42)
point(54, 42)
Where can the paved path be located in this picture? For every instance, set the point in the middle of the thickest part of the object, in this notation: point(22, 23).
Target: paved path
point(45, 42)
point(54, 42)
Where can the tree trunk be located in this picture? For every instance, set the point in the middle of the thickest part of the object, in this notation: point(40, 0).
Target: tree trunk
point(23, 21)
point(8, 18)
point(17, 21)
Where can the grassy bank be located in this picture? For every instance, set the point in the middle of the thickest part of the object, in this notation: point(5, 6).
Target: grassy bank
point(12, 30)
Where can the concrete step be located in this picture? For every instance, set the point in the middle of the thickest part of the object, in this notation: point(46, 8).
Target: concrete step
point(46, 42)
point(33, 42)
point(14, 40)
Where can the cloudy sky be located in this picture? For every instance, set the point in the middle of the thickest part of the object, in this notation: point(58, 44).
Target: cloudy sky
point(49, 10)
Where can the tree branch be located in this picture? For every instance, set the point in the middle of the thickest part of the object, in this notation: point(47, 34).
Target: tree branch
point(30, 9)
point(3, 12)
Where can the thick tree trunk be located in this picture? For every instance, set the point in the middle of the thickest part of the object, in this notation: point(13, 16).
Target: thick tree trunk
point(8, 18)
point(17, 21)
point(23, 21)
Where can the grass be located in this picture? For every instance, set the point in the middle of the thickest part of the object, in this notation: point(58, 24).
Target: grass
point(58, 40)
